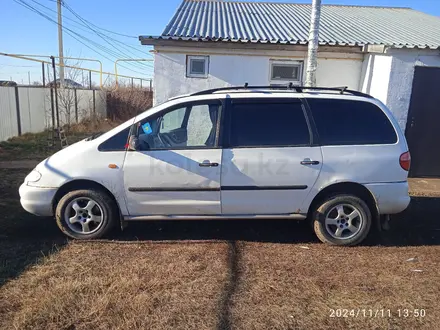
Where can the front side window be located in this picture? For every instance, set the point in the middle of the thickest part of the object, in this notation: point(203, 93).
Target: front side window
point(260, 124)
point(197, 66)
point(117, 142)
point(347, 122)
point(187, 126)
point(172, 120)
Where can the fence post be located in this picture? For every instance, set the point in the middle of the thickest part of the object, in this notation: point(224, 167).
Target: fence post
point(42, 71)
point(76, 105)
point(55, 89)
point(51, 99)
point(17, 108)
point(94, 103)
point(141, 81)
point(52, 108)
point(151, 83)
point(90, 79)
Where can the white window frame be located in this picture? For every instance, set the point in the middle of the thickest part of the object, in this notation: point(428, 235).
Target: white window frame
point(189, 74)
point(282, 81)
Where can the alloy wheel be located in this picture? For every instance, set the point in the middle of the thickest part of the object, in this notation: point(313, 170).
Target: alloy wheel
point(83, 215)
point(344, 221)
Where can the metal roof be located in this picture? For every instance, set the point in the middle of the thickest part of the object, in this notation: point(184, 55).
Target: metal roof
point(288, 23)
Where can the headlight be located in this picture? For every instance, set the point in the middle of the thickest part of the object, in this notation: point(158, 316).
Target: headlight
point(34, 176)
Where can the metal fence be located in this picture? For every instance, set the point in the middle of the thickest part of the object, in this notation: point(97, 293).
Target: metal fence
point(29, 109)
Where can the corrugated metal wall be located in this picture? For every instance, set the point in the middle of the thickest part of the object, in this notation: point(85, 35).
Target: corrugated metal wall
point(35, 108)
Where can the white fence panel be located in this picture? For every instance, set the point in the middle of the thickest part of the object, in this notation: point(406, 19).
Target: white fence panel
point(66, 105)
point(85, 104)
point(101, 103)
point(35, 108)
point(8, 113)
point(34, 104)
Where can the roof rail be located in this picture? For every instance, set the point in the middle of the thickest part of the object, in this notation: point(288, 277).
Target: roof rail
point(290, 87)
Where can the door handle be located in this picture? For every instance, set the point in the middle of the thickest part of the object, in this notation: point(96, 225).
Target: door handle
point(207, 164)
point(308, 161)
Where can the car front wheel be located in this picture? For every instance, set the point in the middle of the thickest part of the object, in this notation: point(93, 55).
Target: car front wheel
point(342, 220)
point(86, 214)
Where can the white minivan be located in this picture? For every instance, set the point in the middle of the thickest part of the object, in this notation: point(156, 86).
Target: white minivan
point(333, 156)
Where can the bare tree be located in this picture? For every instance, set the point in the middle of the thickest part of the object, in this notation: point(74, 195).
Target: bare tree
point(67, 95)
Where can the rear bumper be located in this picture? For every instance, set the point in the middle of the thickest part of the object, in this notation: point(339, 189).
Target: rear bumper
point(36, 200)
point(390, 198)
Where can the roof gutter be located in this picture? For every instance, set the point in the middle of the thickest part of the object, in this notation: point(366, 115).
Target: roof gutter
point(241, 44)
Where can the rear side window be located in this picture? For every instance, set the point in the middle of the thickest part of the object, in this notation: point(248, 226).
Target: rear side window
point(347, 122)
point(259, 123)
point(117, 142)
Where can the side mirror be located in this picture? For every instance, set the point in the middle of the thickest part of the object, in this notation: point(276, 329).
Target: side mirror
point(133, 143)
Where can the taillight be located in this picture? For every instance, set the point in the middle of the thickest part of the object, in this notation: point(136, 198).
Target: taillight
point(405, 160)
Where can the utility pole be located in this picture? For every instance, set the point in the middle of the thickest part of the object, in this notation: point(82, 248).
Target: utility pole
point(312, 56)
point(60, 44)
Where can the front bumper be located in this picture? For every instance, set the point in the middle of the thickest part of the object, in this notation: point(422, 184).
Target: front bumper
point(391, 198)
point(37, 200)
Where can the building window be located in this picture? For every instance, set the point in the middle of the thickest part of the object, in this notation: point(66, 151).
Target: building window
point(197, 66)
point(284, 72)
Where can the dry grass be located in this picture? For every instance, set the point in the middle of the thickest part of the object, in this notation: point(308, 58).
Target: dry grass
point(213, 275)
point(294, 288)
point(35, 145)
point(133, 286)
point(124, 103)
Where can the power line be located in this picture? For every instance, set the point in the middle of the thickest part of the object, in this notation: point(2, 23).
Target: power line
point(65, 5)
point(73, 33)
point(101, 28)
point(85, 23)
point(69, 31)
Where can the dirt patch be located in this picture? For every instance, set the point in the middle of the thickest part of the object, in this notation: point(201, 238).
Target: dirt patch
point(24, 239)
point(424, 187)
point(19, 164)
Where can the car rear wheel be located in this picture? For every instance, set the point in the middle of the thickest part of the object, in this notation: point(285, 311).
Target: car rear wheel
point(86, 214)
point(342, 220)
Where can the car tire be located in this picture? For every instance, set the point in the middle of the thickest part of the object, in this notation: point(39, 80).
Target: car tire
point(86, 214)
point(343, 220)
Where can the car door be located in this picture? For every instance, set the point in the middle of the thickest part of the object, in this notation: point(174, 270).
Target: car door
point(269, 161)
point(175, 169)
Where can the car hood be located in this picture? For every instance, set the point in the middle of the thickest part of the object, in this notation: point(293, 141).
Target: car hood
point(74, 151)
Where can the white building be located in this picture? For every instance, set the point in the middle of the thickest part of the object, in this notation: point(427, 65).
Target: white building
point(390, 53)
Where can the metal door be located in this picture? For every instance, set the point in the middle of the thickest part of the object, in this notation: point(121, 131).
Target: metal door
point(423, 124)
